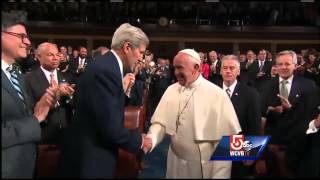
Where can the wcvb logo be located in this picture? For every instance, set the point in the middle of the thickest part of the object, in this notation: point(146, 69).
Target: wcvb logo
point(239, 146)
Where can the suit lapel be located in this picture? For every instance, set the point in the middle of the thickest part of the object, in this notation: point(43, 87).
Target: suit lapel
point(236, 92)
point(293, 94)
point(6, 83)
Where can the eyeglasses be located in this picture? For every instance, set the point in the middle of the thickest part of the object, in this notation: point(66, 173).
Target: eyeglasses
point(18, 35)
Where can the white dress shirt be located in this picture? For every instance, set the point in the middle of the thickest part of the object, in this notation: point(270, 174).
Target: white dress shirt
point(232, 87)
point(119, 62)
point(289, 84)
point(47, 74)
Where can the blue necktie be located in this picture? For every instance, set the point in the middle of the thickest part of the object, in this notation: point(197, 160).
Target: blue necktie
point(16, 84)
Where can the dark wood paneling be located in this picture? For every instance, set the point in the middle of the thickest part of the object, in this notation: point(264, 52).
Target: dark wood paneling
point(244, 47)
point(297, 47)
point(224, 48)
point(104, 42)
point(36, 41)
point(164, 49)
point(75, 43)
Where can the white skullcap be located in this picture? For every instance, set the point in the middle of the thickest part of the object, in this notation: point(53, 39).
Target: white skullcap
point(193, 53)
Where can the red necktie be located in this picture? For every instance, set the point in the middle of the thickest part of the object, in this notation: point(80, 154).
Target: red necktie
point(53, 82)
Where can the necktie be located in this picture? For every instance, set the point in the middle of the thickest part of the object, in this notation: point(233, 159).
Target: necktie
point(283, 89)
point(16, 84)
point(53, 82)
point(228, 92)
point(261, 65)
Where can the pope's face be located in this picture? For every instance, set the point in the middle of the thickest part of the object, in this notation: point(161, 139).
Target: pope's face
point(185, 70)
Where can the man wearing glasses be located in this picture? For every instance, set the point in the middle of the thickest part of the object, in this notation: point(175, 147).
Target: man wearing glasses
point(20, 124)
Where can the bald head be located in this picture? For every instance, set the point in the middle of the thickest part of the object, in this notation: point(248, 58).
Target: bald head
point(48, 56)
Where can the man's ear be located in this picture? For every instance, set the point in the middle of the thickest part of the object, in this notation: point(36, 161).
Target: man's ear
point(126, 47)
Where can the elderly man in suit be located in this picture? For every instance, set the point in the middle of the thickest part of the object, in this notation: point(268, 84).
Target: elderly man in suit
point(47, 75)
point(20, 124)
point(92, 142)
point(246, 102)
point(282, 99)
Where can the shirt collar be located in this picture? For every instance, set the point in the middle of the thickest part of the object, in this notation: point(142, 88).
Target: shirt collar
point(119, 62)
point(4, 65)
point(47, 73)
point(289, 79)
point(232, 87)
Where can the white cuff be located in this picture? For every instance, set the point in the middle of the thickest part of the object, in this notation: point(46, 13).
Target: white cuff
point(312, 128)
point(154, 141)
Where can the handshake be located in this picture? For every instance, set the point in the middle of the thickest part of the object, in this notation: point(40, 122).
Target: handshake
point(146, 144)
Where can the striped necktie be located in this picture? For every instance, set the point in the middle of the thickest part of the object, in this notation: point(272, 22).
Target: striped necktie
point(228, 92)
point(16, 84)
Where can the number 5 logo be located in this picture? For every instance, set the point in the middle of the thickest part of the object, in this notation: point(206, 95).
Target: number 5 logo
point(236, 142)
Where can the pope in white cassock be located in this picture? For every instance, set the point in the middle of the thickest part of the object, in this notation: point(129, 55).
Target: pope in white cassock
point(196, 114)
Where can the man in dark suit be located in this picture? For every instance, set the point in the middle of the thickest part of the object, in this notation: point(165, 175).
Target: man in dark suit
point(310, 156)
point(244, 66)
point(20, 129)
point(282, 99)
point(39, 80)
point(92, 141)
point(160, 80)
point(215, 66)
point(246, 103)
point(79, 64)
point(259, 70)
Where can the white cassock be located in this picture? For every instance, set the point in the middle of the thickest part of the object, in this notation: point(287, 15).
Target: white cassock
point(196, 117)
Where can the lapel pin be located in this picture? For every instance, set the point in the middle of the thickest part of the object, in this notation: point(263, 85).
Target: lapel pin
point(297, 95)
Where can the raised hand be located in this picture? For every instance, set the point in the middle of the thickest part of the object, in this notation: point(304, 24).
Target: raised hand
point(66, 89)
point(128, 82)
point(284, 102)
point(277, 109)
point(47, 101)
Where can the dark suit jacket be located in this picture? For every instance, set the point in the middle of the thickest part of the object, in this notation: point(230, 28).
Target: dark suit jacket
point(58, 118)
point(92, 141)
point(310, 148)
point(246, 102)
point(73, 66)
point(254, 69)
point(282, 127)
point(216, 77)
point(20, 133)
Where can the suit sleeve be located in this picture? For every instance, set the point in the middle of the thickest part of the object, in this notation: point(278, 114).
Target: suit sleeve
point(107, 107)
point(20, 131)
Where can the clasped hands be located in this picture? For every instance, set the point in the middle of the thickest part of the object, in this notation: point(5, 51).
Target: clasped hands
point(147, 143)
point(285, 104)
